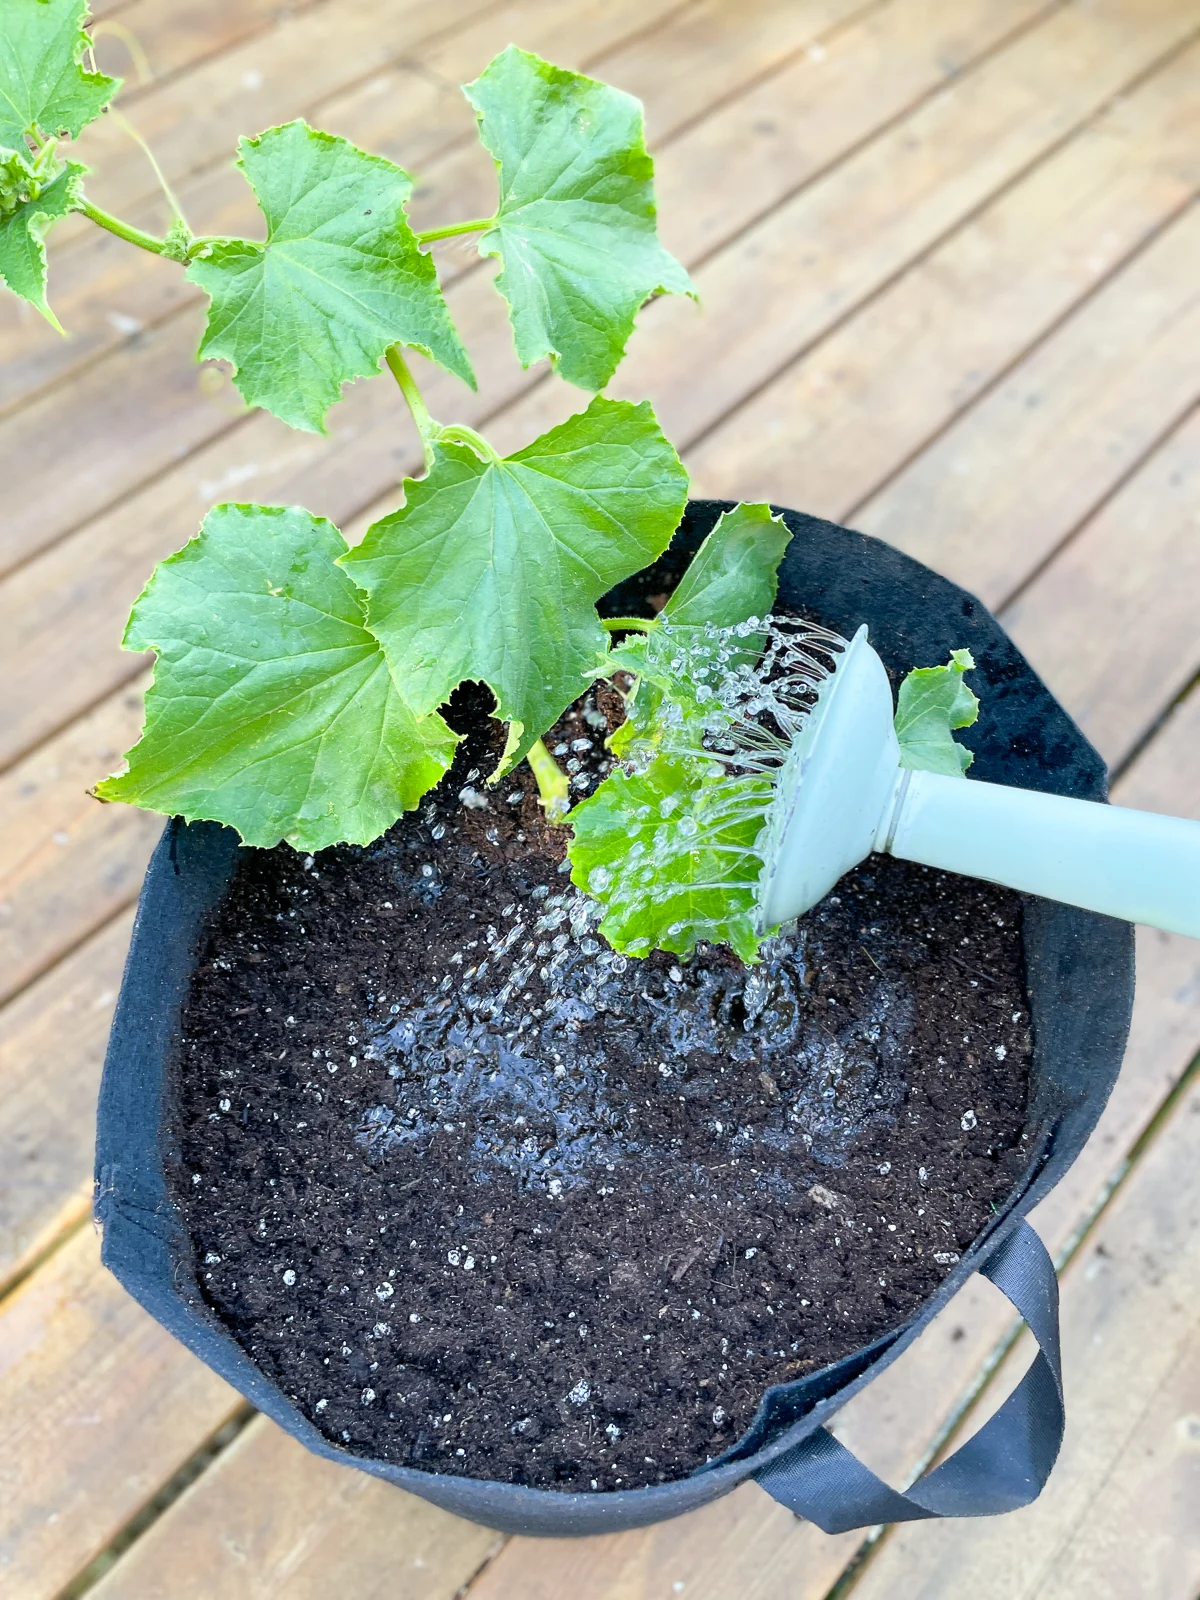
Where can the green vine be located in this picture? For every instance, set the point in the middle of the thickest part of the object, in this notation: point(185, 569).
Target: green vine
point(300, 684)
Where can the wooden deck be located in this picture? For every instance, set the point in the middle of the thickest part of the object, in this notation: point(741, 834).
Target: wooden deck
point(948, 253)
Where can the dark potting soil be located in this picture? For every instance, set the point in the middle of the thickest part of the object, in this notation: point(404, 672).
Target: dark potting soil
point(486, 1198)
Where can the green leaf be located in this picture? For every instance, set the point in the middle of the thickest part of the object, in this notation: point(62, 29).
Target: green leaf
point(672, 701)
point(340, 277)
point(575, 227)
point(731, 578)
point(733, 575)
point(28, 206)
point(931, 702)
point(272, 707)
point(42, 85)
point(491, 569)
point(670, 854)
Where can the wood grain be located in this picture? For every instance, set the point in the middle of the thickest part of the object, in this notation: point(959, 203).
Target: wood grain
point(1118, 1516)
point(1076, 417)
point(100, 1406)
point(270, 1519)
point(153, 372)
point(1166, 774)
point(783, 283)
point(410, 111)
point(56, 601)
point(1111, 622)
point(195, 120)
point(852, 412)
point(52, 1042)
point(68, 863)
point(103, 1406)
point(178, 37)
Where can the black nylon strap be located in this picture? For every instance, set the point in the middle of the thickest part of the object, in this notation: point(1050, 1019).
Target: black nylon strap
point(1003, 1466)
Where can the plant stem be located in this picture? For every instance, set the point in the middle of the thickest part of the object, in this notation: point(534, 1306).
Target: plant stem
point(118, 30)
point(123, 230)
point(126, 126)
point(426, 426)
point(476, 225)
point(45, 155)
point(468, 436)
point(630, 624)
point(554, 786)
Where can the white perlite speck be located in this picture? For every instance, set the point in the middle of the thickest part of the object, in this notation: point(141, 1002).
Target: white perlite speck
point(289, 1277)
point(969, 1121)
point(384, 1291)
point(581, 1393)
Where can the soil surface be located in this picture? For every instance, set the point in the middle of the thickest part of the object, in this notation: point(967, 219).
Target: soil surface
point(486, 1198)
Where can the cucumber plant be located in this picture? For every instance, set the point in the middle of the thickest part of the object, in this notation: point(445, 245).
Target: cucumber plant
point(300, 683)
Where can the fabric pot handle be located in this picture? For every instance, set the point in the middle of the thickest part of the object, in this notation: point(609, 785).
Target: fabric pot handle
point(1003, 1466)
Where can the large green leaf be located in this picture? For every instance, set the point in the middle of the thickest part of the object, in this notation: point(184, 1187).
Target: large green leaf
point(731, 578)
point(491, 569)
point(575, 228)
point(339, 279)
point(734, 574)
point(272, 707)
point(42, 85)
point(670, 854)
point(27, 208)
point(933, 701)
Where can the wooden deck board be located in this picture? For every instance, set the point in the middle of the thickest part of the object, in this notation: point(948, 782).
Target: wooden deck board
point(1131, 1350)
point(67, 864)
point(888, 62)
point(781, 284)
point(100, 1406)
point(939, 208)
point(1123, 594)
point(194, 121)
point(320, 1525)
point(52, 1042)
point(177, 38)
point(1078, 416)
point(420, 121)
point(63, 596)
point(867, 400)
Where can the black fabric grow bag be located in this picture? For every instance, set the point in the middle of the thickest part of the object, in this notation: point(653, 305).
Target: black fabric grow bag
point(1079, 973)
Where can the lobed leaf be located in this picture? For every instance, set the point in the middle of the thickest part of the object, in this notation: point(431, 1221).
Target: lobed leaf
point(43, 87)
point(28, 206)
point(272, 708)
point(491, 569)
point(732, 577)
point(339, 279)
point(575, 226)
point(933, 701)
point(669, 853)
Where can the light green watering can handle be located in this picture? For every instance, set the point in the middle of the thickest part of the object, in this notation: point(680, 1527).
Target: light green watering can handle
point(1135, 865)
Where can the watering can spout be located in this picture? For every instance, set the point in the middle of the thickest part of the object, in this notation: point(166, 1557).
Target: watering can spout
point(842, 793)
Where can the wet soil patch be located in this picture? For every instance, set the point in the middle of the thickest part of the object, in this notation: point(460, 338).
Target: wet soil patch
point(487, 1199)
